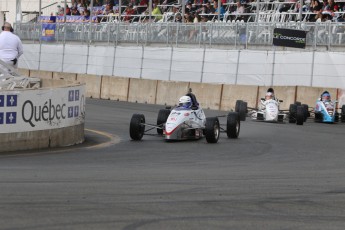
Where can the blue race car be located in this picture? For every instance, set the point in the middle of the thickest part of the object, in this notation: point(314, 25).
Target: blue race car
point(326, 110)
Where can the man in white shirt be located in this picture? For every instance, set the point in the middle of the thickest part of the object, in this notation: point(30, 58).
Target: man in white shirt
point(11, 47)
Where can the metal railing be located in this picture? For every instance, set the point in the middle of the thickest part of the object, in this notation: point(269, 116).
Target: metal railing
point(325, 35)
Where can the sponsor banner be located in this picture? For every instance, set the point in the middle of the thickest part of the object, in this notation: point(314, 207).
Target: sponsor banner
point(32, 110)
point(69, 18)
point(48, 31)
point(289, 38)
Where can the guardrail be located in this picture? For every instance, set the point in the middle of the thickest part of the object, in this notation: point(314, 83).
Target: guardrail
point(326, 35)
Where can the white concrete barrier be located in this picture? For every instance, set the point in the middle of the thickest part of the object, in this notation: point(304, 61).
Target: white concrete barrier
point(42, 118)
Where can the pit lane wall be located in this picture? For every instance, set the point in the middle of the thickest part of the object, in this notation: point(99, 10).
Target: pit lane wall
point(212, 96)
point(41, 118)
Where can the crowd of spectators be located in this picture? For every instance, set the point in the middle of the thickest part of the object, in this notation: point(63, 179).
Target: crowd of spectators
point(199, 10)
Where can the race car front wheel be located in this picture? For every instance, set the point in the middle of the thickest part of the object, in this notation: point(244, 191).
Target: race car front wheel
point(212, 129)
point(137, 127)
point(233, 125)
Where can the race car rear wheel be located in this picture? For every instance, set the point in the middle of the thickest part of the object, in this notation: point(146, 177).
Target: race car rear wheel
point(233, 125)
point(300, 115)
point(292, 113)
point(137, 127)
point(243, 111)
point(212, 129)
point(237, 106)
point(163, 115)
point(342, 113)
point(306, 112)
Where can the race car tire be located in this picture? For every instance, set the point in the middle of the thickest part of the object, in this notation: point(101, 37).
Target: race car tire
point(343, 113)
point(136, 127)
point(292, 113)
point(212, 129)
point(233, 125)
point(300, 115)
point(306, 112)
point(163, 115)
point(237, 106)
point(243, 111)
point(336, 117)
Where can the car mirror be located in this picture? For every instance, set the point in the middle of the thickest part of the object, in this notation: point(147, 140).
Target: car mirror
point(194, 107)
point(280, 101)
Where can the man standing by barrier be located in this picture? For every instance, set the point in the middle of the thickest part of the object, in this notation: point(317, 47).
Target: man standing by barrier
point(11, 47)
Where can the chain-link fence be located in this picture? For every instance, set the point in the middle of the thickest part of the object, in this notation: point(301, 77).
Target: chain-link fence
point(236, 35)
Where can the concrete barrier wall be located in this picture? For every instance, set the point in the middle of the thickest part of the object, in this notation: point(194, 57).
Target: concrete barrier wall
point(42, 118)
point(42, 139)
point(168, 92)
point(142, 91)
point(232, 93)
point(93, 84)
point(309, 95)
point(114, 88)
point(213, 96)
point(208, 95)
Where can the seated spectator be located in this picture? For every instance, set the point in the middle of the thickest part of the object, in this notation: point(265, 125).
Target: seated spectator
point(222, 10)
point(156, 12)
point(129, 11)
point(315, 6)
point(75, 11)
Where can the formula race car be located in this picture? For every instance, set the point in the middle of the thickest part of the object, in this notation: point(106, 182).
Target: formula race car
point(269, 111)
point(185, 121)
point(325, 111)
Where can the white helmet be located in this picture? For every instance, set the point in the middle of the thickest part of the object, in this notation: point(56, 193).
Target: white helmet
point(268, 96)
point(185, 101)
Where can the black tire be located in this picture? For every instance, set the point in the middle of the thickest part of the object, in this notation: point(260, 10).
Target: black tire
point(212, 129)
point(137, 127)
point(243, 111)
point(237, 106)
point(342, 113)
point(233, 125)
point(292, 113)
point(163, 115)
point(336, 117)
point(306, 112)
point(300, 115)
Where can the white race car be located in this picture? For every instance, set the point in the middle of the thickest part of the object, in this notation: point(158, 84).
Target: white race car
point(181, 123)
point(269, 111)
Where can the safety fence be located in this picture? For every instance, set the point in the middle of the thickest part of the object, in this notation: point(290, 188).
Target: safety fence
point(234, 35)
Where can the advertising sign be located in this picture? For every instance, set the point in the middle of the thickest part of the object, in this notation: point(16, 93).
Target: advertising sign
point(32, 110)
point(48, 31)
point(289, 38)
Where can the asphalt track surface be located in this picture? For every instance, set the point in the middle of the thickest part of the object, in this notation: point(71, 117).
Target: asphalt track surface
point(275, 176)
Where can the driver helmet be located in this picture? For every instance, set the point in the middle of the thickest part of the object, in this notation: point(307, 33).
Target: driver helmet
point(185, 101)
point(325, 96)
point(268, 96)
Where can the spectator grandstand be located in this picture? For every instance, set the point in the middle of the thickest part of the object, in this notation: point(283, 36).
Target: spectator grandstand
point(242, 22)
